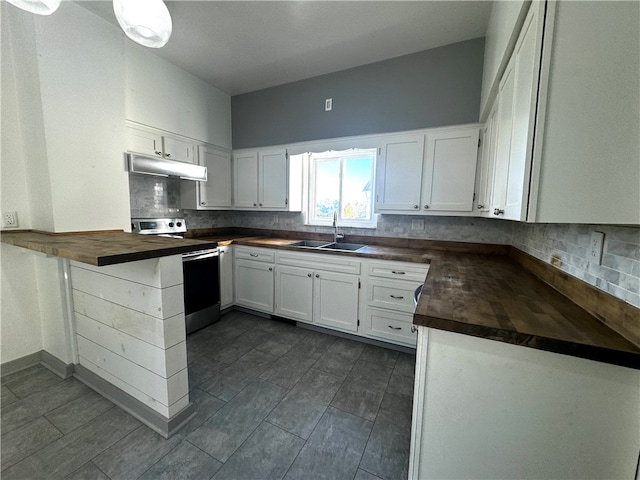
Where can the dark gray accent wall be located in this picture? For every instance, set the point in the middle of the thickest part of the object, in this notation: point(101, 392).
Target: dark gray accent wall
point(431, 88)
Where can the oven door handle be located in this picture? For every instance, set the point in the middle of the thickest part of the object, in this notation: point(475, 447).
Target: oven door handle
point(190, 257)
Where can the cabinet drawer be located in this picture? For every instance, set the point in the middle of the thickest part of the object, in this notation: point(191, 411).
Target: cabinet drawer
point(392, 295)
point(399, 270)
point(391, 326)
point(255, 254)
point(319, 261)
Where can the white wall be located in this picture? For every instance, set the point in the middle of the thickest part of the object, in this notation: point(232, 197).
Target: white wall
point(502, 32)
point(81, 67)
point(162, 95)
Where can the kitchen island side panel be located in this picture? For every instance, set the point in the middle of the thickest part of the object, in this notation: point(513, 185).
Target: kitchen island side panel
point(129, 323)
point(487, 409)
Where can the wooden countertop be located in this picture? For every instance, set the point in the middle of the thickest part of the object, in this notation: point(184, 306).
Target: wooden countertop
point(493, 297)
point(102, 248)
point(484, 295)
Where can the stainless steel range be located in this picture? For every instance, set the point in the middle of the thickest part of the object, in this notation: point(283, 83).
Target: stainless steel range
point(201, 271)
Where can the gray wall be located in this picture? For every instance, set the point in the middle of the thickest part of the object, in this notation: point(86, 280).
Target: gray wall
point(431, 88)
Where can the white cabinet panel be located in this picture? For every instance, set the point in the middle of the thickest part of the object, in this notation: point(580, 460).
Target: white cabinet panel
point(273, 181)
point(144, 142)
point(216, 191)
point(391, 326)
point(178, 149)
point(487, 164)
point(399, 174)
point(450, 170)
point(335, 300)
point(245, 180)
point(393, 295)
point(226, 276)
point(294, 293)
point(254, 285)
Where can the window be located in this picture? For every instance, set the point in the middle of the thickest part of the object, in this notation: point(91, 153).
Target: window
point(342, 182)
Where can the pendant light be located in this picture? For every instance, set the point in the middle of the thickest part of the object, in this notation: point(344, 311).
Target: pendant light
point(41, 7)
point(146, 22)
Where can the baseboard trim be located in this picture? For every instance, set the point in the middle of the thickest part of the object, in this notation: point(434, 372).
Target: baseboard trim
point(358, 338)
point(57, 366)
point(43, 358)
point(134, 407)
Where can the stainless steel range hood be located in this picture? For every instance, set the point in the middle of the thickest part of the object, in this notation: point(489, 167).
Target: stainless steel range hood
point(163, 167)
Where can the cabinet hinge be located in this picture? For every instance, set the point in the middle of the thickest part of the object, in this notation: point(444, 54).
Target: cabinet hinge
point(358, 323)
point(377, 198)
point(286, 201)
point(358, 283)
point(474, 197)
point(479, 142)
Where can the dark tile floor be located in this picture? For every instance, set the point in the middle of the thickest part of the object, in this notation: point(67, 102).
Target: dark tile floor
point(273, 401)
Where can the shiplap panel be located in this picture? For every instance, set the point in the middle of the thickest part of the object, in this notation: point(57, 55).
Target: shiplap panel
point(161, 333)
point(166, 391)
point(134, 392)
point(158, 360)
point(160, 303)
point(155, 272)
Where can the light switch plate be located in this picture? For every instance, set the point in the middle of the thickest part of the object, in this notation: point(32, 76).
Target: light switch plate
point(594, 253)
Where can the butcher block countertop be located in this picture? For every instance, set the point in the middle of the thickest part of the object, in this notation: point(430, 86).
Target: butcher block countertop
point(104, 248)
point(486, 294)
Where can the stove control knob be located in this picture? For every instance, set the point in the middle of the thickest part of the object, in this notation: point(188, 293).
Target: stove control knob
point(179, 224)
point(170, 224)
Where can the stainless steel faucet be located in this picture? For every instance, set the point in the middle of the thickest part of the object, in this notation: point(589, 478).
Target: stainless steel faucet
point(336, 236)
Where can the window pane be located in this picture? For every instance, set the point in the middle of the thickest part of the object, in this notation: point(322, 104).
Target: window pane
point(327, 188)
point(356, 188)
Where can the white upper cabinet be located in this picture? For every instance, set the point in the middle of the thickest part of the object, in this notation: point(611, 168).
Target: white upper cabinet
point(399, 174)
point(266, 180)
point(486, 168)
point(416, 179)
point(450, 170)
point(215, 193)
point(159, 144)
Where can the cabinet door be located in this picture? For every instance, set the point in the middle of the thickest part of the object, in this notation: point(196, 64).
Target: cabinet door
point(450, 170)
point(503, 142)
point(216, 191)
point(487, 164)
point(273, 181)
point(245, 180)
point(144, 142)
point(335, 300)
point(179, 149)
point(526, 61)
point(294, 293)
point(254, 285)
point(226, 277)
point(399, 174)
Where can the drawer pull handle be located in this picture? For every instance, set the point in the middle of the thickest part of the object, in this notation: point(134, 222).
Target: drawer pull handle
point(394, 328)
point(254, 254)
point(397, 297)
point(395, 272)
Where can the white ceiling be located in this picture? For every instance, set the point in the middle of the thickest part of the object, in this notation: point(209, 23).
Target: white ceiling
point(242, 46)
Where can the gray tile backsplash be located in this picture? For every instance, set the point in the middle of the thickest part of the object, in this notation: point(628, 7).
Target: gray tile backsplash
point(619, 273)
point(154, 197)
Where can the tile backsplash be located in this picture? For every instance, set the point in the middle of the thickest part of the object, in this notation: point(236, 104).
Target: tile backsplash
point(619, 273)
point(154, 197)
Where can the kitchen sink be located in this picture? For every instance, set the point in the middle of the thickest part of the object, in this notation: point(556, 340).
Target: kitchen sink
point(308, 244)
point(349, 247)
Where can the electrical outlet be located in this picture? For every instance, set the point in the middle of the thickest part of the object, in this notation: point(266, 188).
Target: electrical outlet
point(328, 104)
point(9, 219)
point(417, 224)
point(594, 252)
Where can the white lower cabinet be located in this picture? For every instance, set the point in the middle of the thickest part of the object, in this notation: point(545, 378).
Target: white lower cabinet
point(294, 293)
point(226, 276)
point(254, 280)
point(389, 307)
point(315, 293)
point(335, 300)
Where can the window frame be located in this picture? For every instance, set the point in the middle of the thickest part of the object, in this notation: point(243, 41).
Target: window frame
point(340, 155)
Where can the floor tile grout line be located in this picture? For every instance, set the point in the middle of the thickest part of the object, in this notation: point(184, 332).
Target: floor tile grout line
point(159, 459)
point(39, 449)
point(99, 469)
